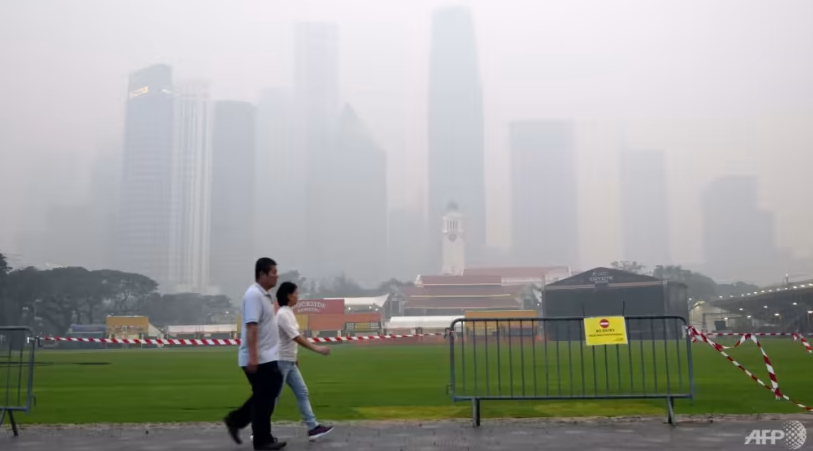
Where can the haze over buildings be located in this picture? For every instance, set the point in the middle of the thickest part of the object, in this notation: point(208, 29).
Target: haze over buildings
point(544, 195)
point(369, 118)
point(233, 196)
point(645, 207)
point(456, 148)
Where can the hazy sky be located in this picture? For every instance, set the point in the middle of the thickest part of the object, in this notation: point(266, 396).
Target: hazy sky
point(722, 86)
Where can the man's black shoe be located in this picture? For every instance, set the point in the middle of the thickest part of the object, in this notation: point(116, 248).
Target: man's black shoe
point(276, 445)
point(234, 432)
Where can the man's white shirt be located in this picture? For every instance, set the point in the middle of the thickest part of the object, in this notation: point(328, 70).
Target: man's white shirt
point(288, 330)
point(259, 308)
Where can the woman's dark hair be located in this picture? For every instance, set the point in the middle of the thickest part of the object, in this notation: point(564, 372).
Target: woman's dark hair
point(283, 291)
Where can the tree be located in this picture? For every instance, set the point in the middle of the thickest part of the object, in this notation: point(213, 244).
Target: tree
point(633, 267)
point(128, 292)
point(6, 304)
point(735, 289)
point(343, 286)
point(295, 277)
point(22, 288)
point(392, 285)
point(187, 308)
point(699, 286)
point(4, 267)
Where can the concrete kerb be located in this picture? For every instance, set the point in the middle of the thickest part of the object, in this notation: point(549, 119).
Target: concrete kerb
point(151, 428)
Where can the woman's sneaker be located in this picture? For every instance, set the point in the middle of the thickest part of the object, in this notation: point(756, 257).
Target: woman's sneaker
point(319, 431)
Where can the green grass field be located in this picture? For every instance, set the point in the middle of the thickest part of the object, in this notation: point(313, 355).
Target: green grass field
point(391, 382)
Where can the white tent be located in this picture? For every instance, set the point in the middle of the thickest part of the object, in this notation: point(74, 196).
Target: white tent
point(424, 322)
point(376, 301)
point(202, 329)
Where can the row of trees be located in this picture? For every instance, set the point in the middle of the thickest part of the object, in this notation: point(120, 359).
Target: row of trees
point(700, 287)
point(339, 287)
point(54, 299)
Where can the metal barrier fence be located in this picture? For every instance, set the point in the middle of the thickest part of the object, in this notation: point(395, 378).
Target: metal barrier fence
point(512, 359)
point(17, 348)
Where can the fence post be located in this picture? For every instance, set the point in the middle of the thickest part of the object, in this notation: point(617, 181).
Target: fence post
point(13, 365)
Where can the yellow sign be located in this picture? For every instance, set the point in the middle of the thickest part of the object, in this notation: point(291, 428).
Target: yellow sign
point(127, 326)
point(605, 330)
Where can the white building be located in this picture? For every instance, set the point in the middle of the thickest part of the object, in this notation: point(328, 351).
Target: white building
point(191, 183)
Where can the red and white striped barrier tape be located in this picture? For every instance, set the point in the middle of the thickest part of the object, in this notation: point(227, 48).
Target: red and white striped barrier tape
point(759, 334)
point(697, 335)
point(800, 337)
point(796, 337)
point(226, 342)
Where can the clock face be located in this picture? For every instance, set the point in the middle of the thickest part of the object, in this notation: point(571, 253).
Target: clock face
point(452, 237)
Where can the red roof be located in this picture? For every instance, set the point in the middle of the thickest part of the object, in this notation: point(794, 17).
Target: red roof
point(466, 291)
point(463, 303)
point(462, 280)
point(524, 272)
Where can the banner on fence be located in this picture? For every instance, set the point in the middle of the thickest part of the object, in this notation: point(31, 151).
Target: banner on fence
point(605, 330)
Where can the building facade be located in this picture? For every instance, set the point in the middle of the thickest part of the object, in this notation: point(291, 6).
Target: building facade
point(281, 175)
point(544, 197)
point(191, 181)
point(456, 155)
point(738, 236)
point(645, 207)
point(232, 250)
point(143, 238)
point(316, 92)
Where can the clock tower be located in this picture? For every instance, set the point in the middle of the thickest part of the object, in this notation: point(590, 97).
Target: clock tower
point(454, 255)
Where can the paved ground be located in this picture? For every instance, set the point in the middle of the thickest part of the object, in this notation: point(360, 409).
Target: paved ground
point(493, 435)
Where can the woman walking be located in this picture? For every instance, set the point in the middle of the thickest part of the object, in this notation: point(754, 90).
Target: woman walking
point(290, 339)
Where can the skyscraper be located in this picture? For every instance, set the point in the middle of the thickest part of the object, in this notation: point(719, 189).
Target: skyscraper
point(316, 90)
point(281, 172)
point(358, 213)
point(191, 182)
point(456, 148)
point(738, 237)
point(544, 197)
point(645, 207)
point(143, 240)
point(232, 253)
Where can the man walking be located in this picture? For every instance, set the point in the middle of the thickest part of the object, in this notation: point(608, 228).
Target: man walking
point(257, 356)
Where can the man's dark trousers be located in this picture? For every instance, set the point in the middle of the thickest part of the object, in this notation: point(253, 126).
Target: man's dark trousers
point(266, 384)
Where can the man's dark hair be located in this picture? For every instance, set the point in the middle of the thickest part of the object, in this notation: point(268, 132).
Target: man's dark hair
point(283, 291)
point(263, 266)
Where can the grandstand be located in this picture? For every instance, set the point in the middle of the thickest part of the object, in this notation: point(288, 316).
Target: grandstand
point(785, 308)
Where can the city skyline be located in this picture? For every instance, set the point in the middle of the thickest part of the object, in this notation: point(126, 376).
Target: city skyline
point(700, 148)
